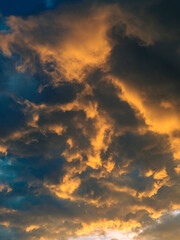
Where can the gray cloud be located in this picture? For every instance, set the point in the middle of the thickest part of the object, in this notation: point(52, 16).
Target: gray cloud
point(89, 117)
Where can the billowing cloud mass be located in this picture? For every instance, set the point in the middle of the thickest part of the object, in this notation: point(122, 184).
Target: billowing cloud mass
point(90, 121)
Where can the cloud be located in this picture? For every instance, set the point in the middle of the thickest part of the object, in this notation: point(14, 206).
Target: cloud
point(89, 136)
point(67, 59)
point(167, 227)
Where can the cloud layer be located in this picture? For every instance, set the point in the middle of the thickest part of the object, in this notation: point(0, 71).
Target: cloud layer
point(89, 122)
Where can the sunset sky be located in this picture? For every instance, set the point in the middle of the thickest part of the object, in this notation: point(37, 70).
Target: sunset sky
point(89, 119)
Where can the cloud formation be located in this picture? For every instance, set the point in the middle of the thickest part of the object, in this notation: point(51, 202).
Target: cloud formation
point(89, 122)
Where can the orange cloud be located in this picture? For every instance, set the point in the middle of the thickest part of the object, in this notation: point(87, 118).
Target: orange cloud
point(5, 187)
point(81, 42)
point(105, 224)
point(3, 149)
point(66, 188)
point(6, 224)
point(163, 118)
point(77, 44)
point(31, 228)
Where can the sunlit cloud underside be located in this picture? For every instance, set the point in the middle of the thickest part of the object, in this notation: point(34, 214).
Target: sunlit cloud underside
point(90, 121)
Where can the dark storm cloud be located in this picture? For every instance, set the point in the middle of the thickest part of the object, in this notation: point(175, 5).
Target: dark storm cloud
point(120, 111)
point(152, 69)
point(36, 144)
point(89, 119)
point(58, 95)
point(148, 68)
point(166, 228)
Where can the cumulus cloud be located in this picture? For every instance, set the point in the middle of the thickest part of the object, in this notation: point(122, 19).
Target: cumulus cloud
point(89, 136)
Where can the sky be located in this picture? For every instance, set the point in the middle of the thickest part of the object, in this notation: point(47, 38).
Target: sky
point(89, 120)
